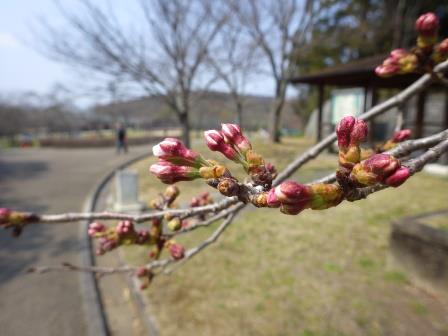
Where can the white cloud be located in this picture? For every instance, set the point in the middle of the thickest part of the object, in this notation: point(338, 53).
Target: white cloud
point(8, 41)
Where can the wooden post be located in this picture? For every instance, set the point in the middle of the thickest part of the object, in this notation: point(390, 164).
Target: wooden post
point(370, 98)
point(320, 111)
point(420, 118)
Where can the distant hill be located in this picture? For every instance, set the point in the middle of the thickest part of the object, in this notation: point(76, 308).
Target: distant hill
point(208, 112)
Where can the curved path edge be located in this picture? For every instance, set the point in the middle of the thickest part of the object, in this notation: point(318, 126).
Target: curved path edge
point(95, 316)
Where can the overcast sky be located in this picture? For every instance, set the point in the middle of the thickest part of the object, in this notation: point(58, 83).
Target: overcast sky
point(24, 69)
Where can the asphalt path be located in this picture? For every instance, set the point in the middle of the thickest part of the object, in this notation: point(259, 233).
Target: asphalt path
point(46, 181)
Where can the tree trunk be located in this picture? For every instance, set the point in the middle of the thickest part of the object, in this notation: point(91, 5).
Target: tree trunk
point(275, 117)
point(239, 113)
point(185, 125)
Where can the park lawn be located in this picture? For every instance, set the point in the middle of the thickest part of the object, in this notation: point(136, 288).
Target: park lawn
point(318, 273)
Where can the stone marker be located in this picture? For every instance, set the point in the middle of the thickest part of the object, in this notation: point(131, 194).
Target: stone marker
point(126, 192)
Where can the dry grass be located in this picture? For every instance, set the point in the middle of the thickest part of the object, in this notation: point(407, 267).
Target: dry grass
point(319, 273)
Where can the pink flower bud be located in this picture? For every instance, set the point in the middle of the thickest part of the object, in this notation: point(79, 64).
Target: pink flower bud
point(142, 236)
point(233, 135)
point(95, 228)
point(5, 213)
point(387, 70)
point(173, 150)
point(177, 251)
point(375, 169)
point(443, 46)
point(399, 177)
point(401, 135)
point(351, 131)
point(216, 142)
point(141, 272)
point(291, 192)
point(169, 173)
point(343, 131)
point(397, 54)
point(124, 227)
point(427, 24)
point(272, 199)
point(359, 132)
point(195, 202)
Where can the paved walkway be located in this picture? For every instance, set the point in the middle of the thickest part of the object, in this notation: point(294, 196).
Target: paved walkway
point(46, 180)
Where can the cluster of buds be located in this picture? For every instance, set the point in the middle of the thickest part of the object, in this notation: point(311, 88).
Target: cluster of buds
point(350, 133)
point(399, 61)
point(15, 220)
point(202, 199)
point(398, 137)
point(178, 163)
point(292, 197)
point(231, 142)
point(380, 168)
point(423, 57)
point(124, 233)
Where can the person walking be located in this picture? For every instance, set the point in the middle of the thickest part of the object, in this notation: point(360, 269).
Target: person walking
point(121, 138)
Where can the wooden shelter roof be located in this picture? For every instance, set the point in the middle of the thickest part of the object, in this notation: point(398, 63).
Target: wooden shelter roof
point(359, 73)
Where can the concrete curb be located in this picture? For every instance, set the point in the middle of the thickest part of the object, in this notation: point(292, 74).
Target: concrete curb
point(92, 306)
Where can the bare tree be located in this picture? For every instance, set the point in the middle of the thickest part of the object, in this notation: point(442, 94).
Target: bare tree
point(164, 56)
point(233, 62)
point(276, 27)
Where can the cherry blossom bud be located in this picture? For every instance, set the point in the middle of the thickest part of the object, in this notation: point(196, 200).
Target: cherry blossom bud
point(124, 227)
point(228, 187)
point(174, 151)
point(440, 53)
point(427, 24)
point(443, 46)
point(141, 272)
point(401, 135)
point(177, 251)
point(195, 202)
point(142, 236)
point(375, 169)
point(216, 142)
point(185, 223)
point(169, 173)
point(175, 224)
point(387, 70)
point(396, 55)
point(5, 213)
point(359, 132)
point(291, 192)
point(171, 193)
point(272, 200)
point(343, 131)
point(233, 135)
point(399, 177)
point(96, 227)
